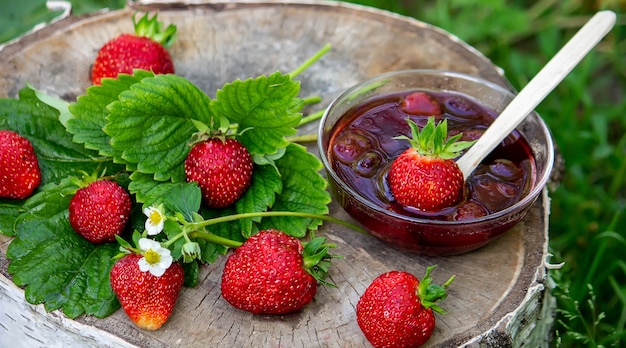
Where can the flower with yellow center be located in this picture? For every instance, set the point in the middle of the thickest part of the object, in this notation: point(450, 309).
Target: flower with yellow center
point(156, 259)
point(155, 221)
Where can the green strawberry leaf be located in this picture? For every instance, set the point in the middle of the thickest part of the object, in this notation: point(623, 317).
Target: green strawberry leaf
point(184, 198)
point(152, 123)
point(71, 273)
point(147, 190)
point(267, 108)
point(90, 112)
point(261, 195)
point(9, 209)
point(58, 156)
point(53, 199)
point(59, 104)
point(304, 190)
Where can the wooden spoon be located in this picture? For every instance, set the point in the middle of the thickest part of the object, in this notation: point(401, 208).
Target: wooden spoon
point(538, 88)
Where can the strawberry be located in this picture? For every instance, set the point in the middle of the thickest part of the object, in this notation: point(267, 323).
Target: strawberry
point(145, 49)
point(420, 103)
point(148, 300)
point(396, 309)
point(274, 273)
point(222, 168)
point(19, 168)
point(425, 176)
point(100, 211)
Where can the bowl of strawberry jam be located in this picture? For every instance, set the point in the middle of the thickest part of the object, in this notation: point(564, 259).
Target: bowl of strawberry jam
point(358, 141)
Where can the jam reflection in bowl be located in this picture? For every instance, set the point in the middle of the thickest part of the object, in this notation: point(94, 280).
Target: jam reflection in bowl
point(357, 145)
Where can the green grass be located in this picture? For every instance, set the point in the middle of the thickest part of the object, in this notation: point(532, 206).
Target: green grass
point(587, 115)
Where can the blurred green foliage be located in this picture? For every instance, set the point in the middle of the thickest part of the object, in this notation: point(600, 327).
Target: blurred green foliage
point(586, 114)
point(18, 17)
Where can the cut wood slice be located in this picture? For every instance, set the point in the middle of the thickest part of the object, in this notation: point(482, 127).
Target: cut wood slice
point(501, 294)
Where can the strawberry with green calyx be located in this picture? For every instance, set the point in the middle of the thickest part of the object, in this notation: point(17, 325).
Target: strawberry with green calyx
point(99, 210)
point(396, 309)
point(19, 168)
point(146, 49)
point(222, 168)
point(219, 164)
point(147, 283)
point(426, 176)
point(273, 273)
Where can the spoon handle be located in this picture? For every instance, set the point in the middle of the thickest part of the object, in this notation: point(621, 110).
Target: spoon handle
point(538, 88)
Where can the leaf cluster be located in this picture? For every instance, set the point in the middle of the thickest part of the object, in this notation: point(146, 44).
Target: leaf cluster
point(137, 130)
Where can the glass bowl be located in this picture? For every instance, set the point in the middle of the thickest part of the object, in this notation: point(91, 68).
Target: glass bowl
point(422, 233)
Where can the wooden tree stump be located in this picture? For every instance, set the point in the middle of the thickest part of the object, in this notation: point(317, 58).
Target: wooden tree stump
point(501, 296)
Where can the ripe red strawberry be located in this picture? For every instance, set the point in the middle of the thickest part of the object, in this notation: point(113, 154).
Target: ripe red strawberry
point(100, 211)
point(148, 300)
point(425, 176)
point(145, 49)
point(273, 273)
point(19, 169)
point(222, 169)
point(396, 310)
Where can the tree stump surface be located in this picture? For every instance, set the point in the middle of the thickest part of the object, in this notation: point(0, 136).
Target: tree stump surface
point(501, 294)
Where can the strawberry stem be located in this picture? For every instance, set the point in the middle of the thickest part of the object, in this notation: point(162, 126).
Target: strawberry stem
point(312, 100)
point(198, 225)
point(306, 138)
point(310, 61)
point(172, 240)
point(213, 238)
point(310, 118)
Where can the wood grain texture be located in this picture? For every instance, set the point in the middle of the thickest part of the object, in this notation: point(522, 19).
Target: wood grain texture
point(500, 295)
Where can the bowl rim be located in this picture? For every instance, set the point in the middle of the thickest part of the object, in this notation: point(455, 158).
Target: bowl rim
point(527, 200)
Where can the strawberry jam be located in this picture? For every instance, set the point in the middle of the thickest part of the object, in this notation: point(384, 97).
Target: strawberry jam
point(362, 148)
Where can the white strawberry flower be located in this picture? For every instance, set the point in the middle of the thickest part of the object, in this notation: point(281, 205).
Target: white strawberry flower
point(155, 220)
point(156, 259)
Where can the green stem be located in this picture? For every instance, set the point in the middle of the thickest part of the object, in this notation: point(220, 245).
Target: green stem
point(310, 61)
point(312, 100)
point(210, 237)
point(312, 117)
point(307, 138)
point(449, 281)
point(597, 258)
point(174, 239)
point(618, 178)
point(198, 225)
